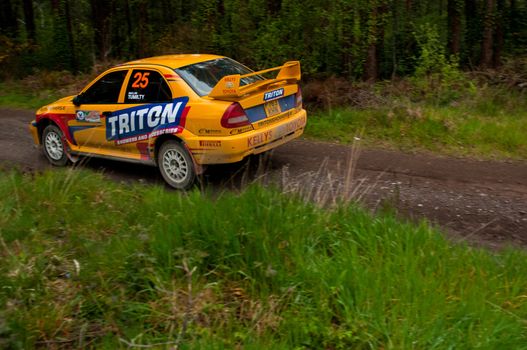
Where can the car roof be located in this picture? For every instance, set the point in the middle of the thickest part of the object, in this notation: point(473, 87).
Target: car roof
point(174, 61)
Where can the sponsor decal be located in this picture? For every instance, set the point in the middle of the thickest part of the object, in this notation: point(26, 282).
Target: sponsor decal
point(172, 77)
point(229, 88)
point(88, 116)
point(290, 127)
point(259, 139)
point(145, 121)
point(275, 119)
point(213, 144)
point(241, 130)
point(276, 133)
point(134, 95)
point(209, 132)
point(58, 108)
point(146, 136)
point(271, 95)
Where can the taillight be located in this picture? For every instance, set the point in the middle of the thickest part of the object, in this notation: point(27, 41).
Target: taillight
point(299, 98)
point(234, 117)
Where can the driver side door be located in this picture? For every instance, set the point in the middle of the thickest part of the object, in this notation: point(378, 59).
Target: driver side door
point(102, 97)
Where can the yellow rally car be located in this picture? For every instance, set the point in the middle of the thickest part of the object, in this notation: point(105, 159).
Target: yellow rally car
point(177, 112)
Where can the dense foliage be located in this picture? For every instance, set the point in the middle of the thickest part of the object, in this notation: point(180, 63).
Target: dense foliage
point(354, 39)
point(85, 262)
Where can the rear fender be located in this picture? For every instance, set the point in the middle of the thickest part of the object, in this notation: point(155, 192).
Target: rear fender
point(155, 145)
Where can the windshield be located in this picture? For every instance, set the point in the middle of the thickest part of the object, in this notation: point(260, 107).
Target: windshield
point(203, 76)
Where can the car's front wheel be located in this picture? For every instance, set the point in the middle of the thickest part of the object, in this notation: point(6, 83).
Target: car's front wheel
point(53, 145)
point(176, 165)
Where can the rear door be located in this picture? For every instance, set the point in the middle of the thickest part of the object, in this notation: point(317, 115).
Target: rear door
point(147, 106)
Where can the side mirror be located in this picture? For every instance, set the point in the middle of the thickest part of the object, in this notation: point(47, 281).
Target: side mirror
point(77, 100)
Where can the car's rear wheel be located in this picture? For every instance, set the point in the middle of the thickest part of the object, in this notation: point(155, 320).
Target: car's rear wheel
point(53, 145)
point(176, 165)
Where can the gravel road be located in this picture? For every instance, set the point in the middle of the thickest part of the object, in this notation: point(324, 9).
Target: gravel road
point(483, 202)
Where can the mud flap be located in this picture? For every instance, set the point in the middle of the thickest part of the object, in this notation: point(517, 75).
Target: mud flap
point(200, 169)
point(72, 158)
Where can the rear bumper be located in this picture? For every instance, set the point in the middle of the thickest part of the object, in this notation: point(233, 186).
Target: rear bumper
point(230, 149)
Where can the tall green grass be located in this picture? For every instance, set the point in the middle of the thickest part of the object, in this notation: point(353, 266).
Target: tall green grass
point(85, 262)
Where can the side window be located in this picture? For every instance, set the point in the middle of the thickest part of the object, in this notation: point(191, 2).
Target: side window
point(147, 86)
point(106, 89)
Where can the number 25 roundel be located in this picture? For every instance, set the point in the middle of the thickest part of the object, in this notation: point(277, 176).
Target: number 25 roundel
point(141, 80)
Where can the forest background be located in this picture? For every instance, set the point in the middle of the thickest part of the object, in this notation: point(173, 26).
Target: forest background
point(356, 40)
point(449, 76)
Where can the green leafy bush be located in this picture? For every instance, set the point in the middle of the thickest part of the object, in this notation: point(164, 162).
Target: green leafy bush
point(440, 74)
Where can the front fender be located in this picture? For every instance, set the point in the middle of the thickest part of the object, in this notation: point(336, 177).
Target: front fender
point(61, 120)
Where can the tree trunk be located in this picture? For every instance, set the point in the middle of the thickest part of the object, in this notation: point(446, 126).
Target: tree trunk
point(29, 18)
point(488, 29)
point(382, 10)
point(142, 45)
point(409, 5)
point(167, 13)
point(67, 15)
point(274, 6)
point(8, 23)
point(472, 32)
point(512, 17)
point(55, 5)
point(370, 65)
point(500, 33)
point(395, 29)
point(101, 27)
point(375, 40)
point(454, 26)
point(131, 42)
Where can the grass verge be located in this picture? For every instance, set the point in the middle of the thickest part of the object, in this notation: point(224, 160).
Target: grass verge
point(491, 123)
point(87, 262)
point(38, 90)
point(13, 96)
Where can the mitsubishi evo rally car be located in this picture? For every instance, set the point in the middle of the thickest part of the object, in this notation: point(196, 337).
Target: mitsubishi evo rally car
point(177, 112)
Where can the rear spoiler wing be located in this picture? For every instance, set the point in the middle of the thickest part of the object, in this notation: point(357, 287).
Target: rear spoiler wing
point(229, 86)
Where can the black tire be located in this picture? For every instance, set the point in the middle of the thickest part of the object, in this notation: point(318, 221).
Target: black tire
point(176, 165)
point(53, 146)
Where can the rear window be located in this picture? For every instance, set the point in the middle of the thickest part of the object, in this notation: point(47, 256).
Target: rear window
point(147, 86)
point(203, 76)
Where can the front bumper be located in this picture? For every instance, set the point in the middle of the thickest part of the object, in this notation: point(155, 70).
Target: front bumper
point(230, 149)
